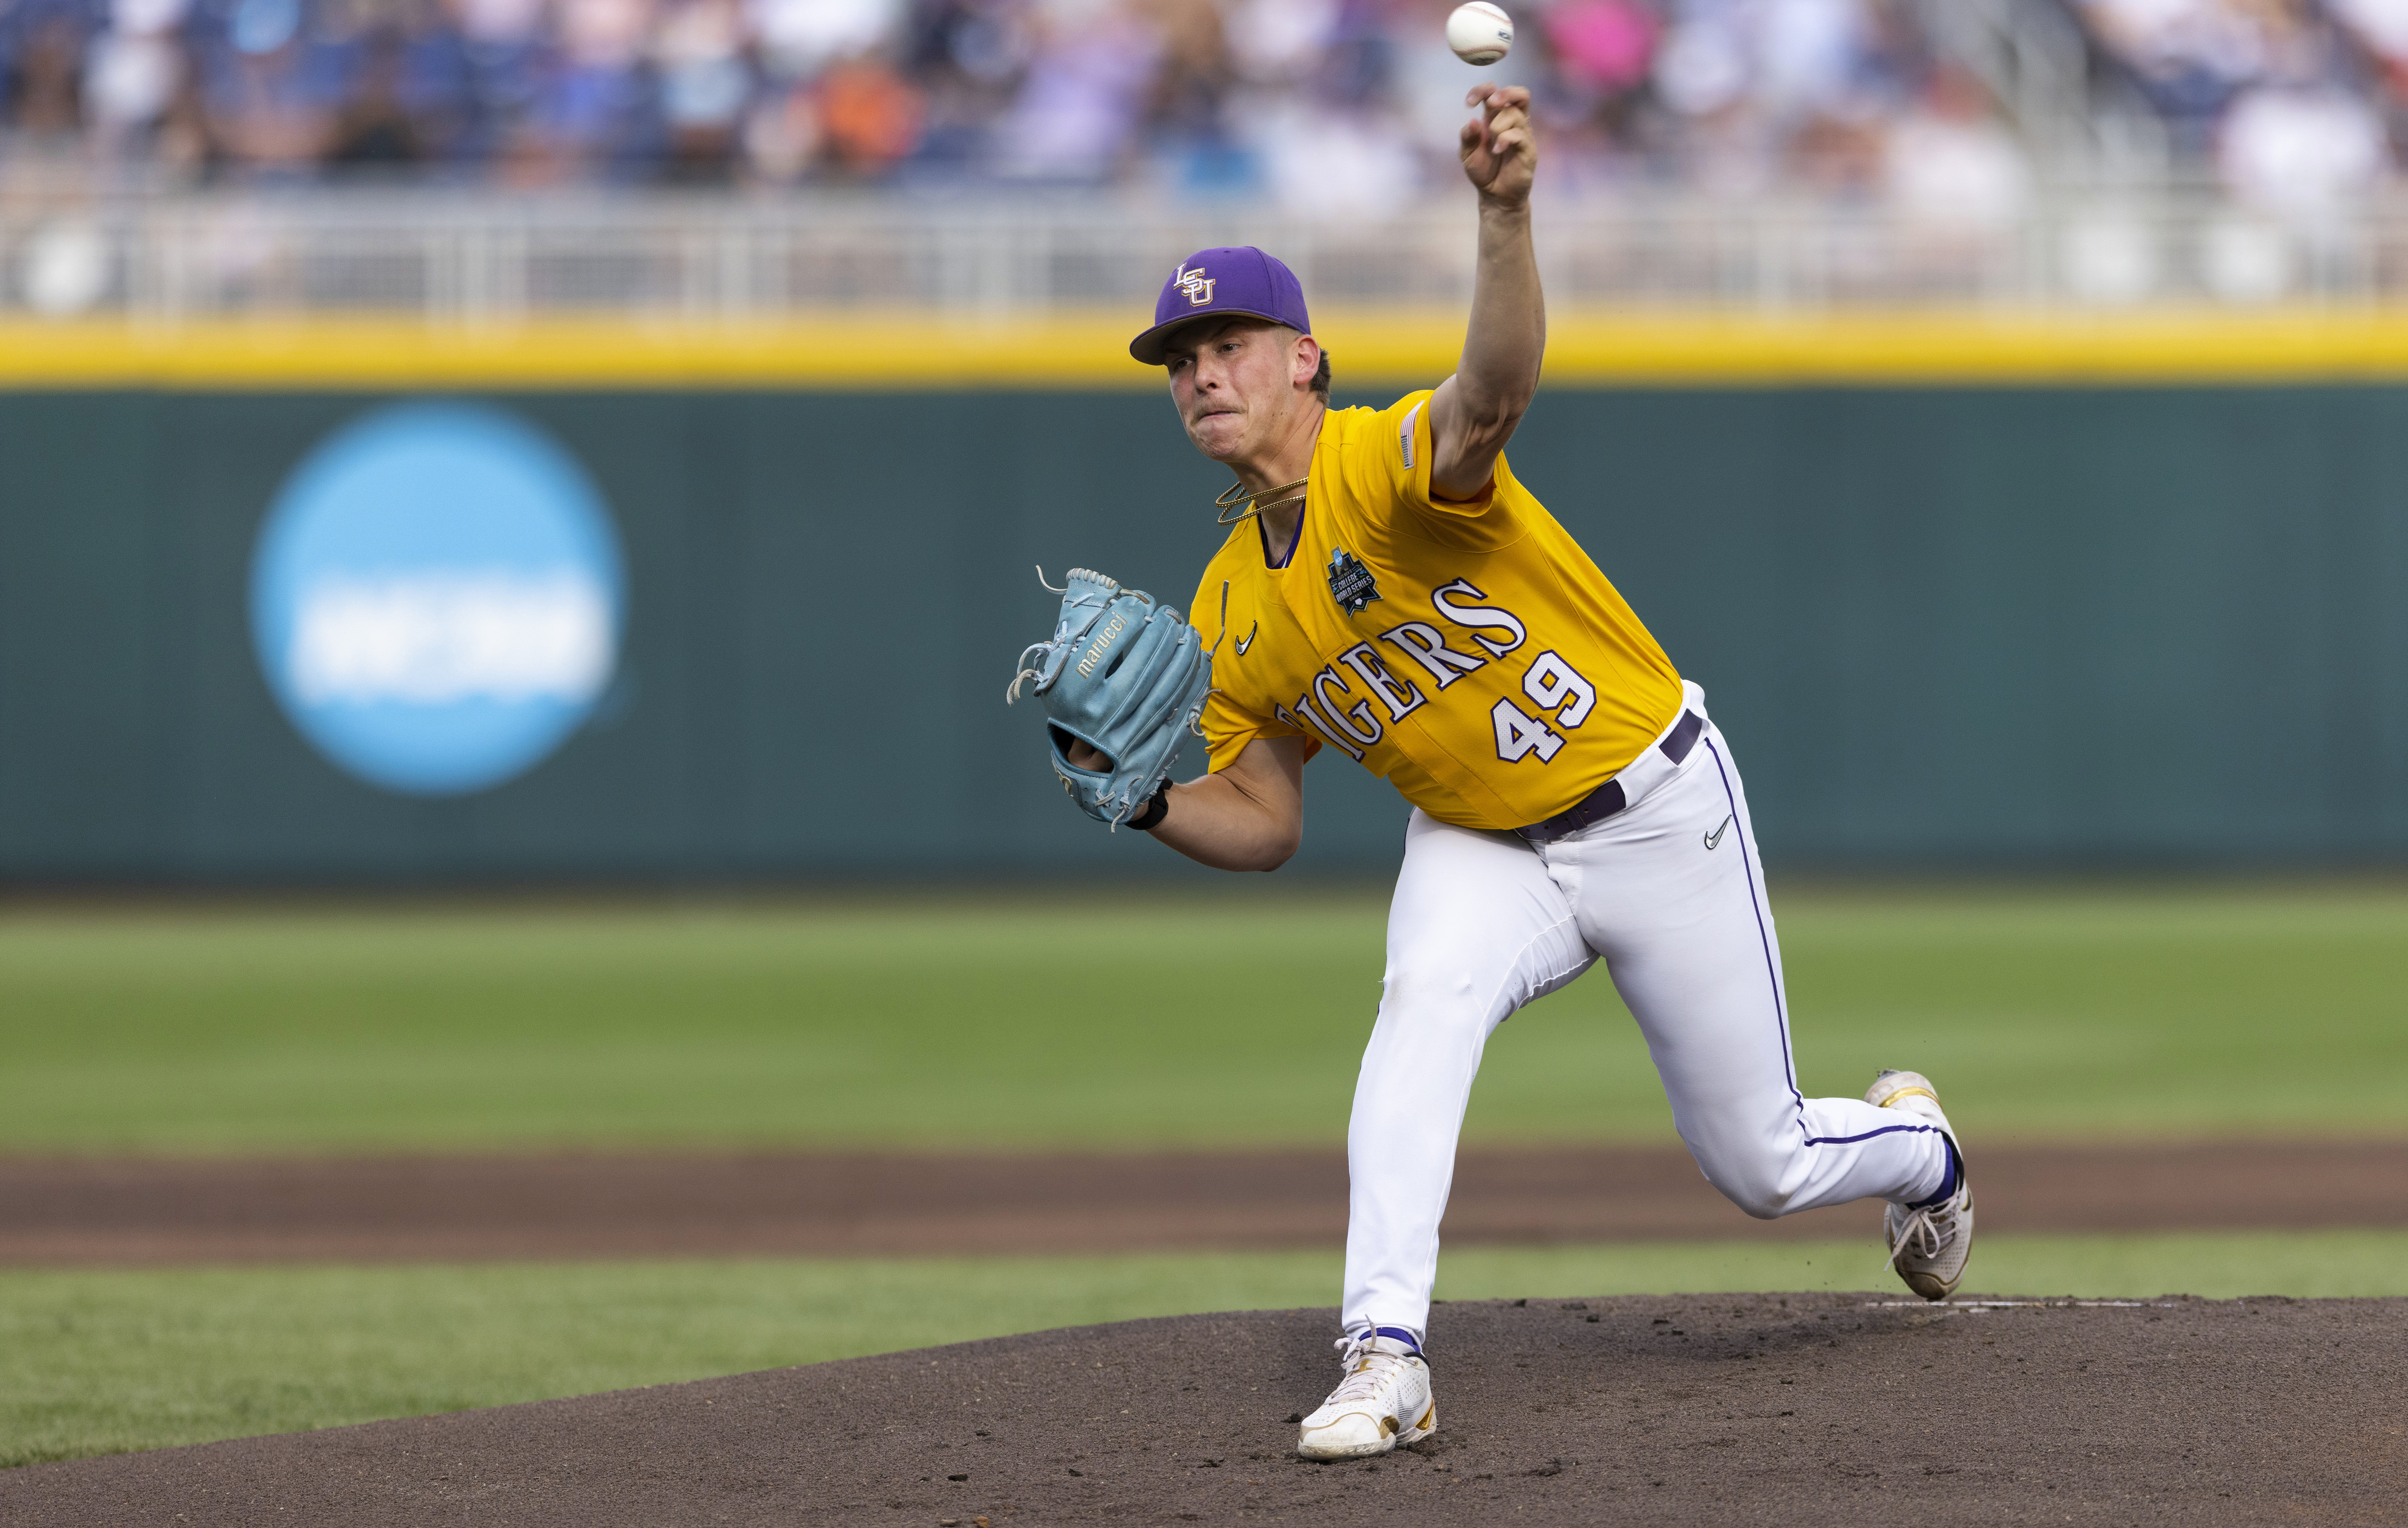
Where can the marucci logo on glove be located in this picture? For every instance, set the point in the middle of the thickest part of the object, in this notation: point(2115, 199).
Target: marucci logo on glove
point(1103, 641)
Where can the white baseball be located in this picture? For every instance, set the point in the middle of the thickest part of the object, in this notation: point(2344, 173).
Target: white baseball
point(1480, 33)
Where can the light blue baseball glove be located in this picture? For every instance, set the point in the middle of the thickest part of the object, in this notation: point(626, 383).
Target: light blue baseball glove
point(1127, 678)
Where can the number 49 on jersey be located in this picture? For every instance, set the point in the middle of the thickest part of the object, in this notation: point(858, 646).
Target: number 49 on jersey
point(1551, 683)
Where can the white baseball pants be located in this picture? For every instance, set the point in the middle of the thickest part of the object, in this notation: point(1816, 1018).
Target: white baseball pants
point(1669, 894)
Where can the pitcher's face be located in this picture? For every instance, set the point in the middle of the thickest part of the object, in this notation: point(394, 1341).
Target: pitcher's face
point(1236, 382)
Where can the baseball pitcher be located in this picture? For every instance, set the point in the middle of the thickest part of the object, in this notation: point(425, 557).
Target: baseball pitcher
point(1390, 592)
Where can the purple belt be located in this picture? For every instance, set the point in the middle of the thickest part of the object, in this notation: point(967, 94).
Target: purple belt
point(1608, 799)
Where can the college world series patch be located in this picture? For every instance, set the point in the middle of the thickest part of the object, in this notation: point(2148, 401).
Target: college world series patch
point(1350, 582)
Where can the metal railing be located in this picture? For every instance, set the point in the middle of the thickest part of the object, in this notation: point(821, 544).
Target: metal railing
point(461, 259)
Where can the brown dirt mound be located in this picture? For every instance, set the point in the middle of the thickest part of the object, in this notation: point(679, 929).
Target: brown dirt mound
point(100, 1211)
point(1796, 1410)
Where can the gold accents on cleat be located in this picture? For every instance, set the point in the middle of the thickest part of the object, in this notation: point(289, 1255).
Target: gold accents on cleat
point(1889, 1100)
point(1386, 1385)
point(1927, 1247)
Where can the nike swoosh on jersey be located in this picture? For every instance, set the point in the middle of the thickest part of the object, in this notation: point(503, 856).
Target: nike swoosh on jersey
point(1248, 641)
point(1713, 839)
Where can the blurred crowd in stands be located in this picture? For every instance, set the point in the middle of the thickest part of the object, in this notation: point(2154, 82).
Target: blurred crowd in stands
point(2297, 103)
point(1342, 105)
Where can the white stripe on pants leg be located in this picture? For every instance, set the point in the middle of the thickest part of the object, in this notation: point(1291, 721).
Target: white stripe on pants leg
point(1483, 923)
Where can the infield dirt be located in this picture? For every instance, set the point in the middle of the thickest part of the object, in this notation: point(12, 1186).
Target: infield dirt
point(69, 1211)
point(1797, 1409)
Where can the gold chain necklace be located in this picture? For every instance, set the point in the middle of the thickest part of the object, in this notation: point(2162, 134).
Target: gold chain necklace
point(1236, 503)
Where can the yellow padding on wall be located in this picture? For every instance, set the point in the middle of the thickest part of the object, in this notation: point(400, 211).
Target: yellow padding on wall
point(1382, 348)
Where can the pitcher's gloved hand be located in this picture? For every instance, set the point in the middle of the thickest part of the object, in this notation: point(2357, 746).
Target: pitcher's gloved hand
point(1123, 682)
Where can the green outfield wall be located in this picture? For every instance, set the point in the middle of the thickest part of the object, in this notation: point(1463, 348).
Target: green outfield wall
point(1949, 627)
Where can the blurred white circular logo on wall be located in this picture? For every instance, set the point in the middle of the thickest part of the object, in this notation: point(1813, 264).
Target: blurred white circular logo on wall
point(437, 597)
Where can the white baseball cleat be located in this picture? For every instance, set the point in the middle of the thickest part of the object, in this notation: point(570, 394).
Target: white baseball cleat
point(1384, 1402)
point(1927, 1246)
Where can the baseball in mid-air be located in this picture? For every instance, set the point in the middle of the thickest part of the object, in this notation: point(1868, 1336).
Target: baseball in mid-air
point(1480, 33)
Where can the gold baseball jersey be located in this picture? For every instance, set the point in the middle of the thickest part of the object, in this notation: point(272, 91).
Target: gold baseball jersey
point(1468, 652)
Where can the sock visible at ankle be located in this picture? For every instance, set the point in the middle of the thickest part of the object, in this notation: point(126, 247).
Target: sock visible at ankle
point(1953, 1174)
point(1398, 1335)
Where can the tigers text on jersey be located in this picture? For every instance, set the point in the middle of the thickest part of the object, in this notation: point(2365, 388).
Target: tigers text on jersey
point(1471, 654)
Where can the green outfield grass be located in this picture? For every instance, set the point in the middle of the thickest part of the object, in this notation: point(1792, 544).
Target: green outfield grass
point(100, 1363)
point(1139, 1021)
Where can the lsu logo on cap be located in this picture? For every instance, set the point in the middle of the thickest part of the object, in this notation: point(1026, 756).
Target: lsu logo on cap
point(1193, 282)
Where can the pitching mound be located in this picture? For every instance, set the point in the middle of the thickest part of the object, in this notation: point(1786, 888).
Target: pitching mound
point(1801, 1409)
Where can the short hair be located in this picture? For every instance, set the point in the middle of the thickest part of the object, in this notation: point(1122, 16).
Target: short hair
point(1320, 383)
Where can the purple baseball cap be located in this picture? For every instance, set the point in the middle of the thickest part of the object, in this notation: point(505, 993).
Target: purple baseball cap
point(1241, 282)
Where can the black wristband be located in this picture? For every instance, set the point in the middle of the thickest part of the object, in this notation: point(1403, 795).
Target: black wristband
point(1157, 807)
